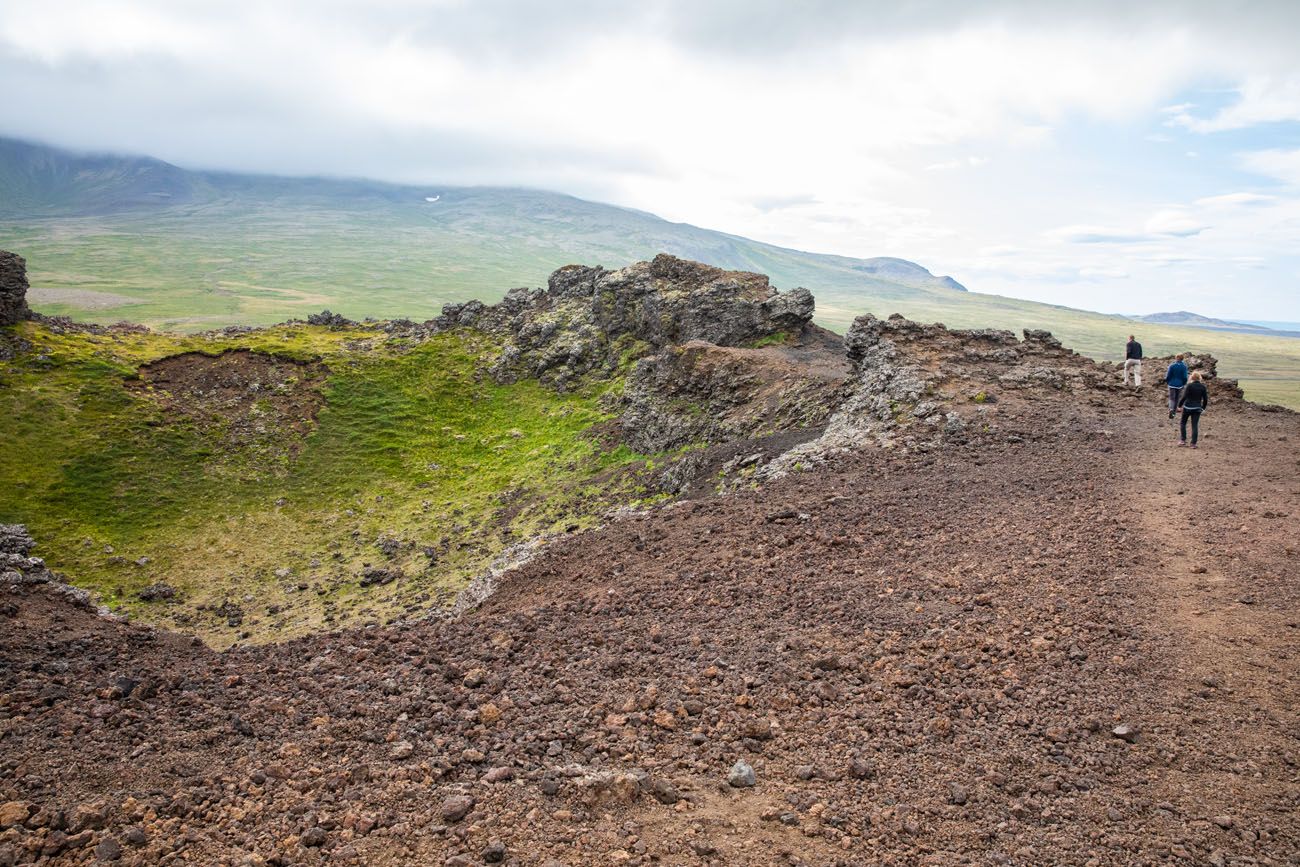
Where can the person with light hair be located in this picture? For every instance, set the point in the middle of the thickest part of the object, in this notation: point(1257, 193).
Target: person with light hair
point(1195, 399)
point(1133, 361)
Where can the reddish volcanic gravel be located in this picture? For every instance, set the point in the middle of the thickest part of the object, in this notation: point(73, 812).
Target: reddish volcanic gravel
point(1065, 642)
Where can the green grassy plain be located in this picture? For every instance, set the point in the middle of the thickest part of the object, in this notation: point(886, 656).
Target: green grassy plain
point(412, 444)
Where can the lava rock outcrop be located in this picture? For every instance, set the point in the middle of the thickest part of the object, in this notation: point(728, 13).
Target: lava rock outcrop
point(13, 288)
point(589, 319)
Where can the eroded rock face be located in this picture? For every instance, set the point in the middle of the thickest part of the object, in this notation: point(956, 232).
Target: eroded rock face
point(700, 392)
point(916, 385)
point(589, 318)
point(13, 288)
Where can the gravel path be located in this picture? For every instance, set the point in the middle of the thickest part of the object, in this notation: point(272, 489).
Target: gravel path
point(1063, 642)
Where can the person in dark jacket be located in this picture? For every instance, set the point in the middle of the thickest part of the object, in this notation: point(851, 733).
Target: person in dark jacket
point(1176, 379)
point(1195, 400)
point(1133, 360)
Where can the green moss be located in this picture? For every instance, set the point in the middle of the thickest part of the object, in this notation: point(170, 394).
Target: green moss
point(412, 443)
point(780, 338)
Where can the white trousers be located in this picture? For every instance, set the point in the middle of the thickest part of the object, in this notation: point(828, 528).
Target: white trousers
point(1134, 365)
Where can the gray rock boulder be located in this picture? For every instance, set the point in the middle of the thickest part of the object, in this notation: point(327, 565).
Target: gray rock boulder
point(590, 319)
point(13, 288)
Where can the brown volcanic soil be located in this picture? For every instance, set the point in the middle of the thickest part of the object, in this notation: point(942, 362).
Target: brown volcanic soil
point(249, 394)
point(923, 657)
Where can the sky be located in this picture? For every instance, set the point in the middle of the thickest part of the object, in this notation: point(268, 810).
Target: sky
point(1123, 157)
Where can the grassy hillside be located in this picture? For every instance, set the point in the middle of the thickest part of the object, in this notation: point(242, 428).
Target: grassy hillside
point(216, 249)
point(215, 480)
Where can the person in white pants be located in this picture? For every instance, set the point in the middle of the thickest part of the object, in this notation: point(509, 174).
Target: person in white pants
point(1133, 361)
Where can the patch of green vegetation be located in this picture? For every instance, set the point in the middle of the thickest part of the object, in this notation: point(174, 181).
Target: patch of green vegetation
point(778, 339)
point(417, 461)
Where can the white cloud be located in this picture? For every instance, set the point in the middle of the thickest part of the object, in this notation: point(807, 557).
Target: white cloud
point(958, 163)
point(1175, 222)
point(844, 131)
point(1103, 273)
point(1260, 99)
point(1236, 200)
point(1162, 225)
point(1279, 163)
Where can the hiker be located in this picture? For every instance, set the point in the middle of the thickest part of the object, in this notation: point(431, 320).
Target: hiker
point(1176, 379)
point(1194, 401)
point(1133, 361)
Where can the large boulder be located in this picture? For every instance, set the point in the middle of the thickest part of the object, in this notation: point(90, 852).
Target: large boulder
point(670, 300)
point(592, 319)
point(13, 288)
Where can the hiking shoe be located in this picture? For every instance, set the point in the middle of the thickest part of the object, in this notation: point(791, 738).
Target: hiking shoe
point(1171, 413)
point(1193, 445)
point(1182, 443)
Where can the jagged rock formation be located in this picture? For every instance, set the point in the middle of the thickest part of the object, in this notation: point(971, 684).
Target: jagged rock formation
point(13, 288)
point(333, 320)
point(17, 568)
point(588, 318)
point(916, 385)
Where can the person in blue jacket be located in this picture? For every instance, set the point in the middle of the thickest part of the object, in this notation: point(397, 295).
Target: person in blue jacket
point(1176, 379)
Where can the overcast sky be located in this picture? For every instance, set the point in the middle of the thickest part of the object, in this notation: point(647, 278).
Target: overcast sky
point(1134, 157)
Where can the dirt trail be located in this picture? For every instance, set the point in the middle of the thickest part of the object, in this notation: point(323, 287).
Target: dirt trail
point(1222, 527)
point(921, 655)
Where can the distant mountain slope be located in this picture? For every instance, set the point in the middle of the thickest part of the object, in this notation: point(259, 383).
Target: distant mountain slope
point(1196, 320)
point(111, 238)
point(483, 238)
point(39, 181)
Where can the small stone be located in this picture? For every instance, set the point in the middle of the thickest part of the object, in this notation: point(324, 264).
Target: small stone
point(1126, 732)
point(957, 794)
point(489, 713)
point(1224, 822)
point(664, 792)
point(741, 775)
point(456, 807)
point(704, 847)
point(108, 850)
point(862, 769)
point(402, 750)
point(313, 837)
point(14, 813)
point(494, 852)
point(499, 775)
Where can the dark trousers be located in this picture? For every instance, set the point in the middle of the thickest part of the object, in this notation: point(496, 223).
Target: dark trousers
point(1195, 416)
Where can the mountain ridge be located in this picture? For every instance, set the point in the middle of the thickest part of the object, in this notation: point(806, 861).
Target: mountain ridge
point(1197, 320)
point(67, 191)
